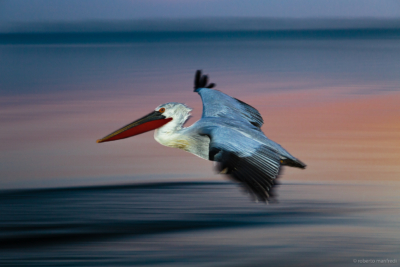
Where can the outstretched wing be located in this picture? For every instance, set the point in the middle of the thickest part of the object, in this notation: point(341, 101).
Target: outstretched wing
point(254, 165)
point(218, 104)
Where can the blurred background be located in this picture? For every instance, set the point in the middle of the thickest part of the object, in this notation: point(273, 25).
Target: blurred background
point(325, 75)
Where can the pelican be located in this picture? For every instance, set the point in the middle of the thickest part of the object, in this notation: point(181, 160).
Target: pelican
point(228, 133)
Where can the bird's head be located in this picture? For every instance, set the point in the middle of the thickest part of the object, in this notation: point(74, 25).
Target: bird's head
point(179, 112)
point(176, 112)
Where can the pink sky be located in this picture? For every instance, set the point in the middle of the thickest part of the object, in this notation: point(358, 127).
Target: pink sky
point(49, 140)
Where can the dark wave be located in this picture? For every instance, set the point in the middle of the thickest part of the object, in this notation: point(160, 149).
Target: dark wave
point(48, 217)
point(18, 192)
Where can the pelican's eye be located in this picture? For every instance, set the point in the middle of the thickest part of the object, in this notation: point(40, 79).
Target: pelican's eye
point(161, 110)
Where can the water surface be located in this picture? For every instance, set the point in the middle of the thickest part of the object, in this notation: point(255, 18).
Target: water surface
point(199, 224)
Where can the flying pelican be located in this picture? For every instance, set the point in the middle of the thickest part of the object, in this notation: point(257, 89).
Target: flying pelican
point(229, 133)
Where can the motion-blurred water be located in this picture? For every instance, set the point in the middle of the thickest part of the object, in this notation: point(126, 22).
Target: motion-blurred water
point(199, 224)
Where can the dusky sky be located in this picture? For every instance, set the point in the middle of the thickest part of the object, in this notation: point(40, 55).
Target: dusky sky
point(76, 10)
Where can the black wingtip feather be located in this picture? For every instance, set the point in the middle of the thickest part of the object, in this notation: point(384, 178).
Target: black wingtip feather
point(211, 85)
point(201, 81)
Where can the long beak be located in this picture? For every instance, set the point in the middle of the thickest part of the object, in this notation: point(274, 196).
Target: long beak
point(149, 122)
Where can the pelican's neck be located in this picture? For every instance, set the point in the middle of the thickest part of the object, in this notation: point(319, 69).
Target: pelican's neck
point(171, 130)
point(173, 134)
point(172, 127)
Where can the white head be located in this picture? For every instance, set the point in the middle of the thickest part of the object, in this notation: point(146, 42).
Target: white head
point(178, 112)
point(166, 118)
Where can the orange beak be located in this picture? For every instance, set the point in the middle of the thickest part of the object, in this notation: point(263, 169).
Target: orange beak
point(149, 122)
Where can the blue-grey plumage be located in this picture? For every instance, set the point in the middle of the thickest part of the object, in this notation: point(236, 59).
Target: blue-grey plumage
point(228, 133)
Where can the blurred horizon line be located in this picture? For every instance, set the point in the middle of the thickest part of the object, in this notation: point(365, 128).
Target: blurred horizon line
point(200, 25)
point(91, 38)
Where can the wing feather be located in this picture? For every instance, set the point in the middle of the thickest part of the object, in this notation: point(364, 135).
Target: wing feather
point(218, 104)
point(256, 173)
point(254, 165)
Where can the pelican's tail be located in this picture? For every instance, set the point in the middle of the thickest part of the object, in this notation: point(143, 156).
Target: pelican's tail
point(293, 163)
